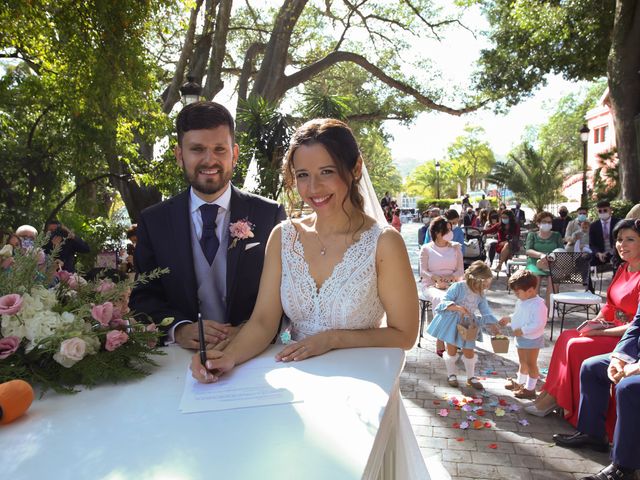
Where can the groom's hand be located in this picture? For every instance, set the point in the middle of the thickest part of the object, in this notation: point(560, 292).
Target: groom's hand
point(186, 335)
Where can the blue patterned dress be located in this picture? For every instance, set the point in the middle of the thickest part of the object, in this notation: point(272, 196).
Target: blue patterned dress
point(444, 323)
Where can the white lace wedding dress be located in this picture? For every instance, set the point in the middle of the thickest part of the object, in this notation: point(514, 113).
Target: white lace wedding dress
point(348, 299)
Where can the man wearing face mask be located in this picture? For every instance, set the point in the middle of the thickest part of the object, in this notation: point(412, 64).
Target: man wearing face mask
point(601, 238)
point(574, 225)
point(519, 214)
point(423, 233)
point(560, 223)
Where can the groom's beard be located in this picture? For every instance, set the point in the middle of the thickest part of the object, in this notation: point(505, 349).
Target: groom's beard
point(207, 186)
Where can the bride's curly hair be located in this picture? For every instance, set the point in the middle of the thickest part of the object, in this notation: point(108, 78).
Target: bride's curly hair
point(476, 274)
point(337, 138)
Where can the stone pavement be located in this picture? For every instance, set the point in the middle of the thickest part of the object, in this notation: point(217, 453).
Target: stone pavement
point(506, 447)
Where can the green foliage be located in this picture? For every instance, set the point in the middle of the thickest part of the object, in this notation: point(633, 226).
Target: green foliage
point(534, 177)
point(471, 155)
point(532, 39)
point(265, 136)
point(441, 203)
point(606, 178)
point(620, 208)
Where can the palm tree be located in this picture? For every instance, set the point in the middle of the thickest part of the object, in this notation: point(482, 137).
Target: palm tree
point(532, 176)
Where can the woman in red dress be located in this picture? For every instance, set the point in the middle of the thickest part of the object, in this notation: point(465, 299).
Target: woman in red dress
point(562, 386)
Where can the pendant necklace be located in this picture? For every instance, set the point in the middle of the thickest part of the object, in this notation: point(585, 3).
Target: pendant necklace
point(323, 250)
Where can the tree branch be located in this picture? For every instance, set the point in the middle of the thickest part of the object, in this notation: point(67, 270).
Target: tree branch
point(247, 68)
point(214, 72)
point(333, 58)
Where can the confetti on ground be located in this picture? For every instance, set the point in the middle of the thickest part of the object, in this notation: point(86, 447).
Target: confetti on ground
point(471, 418)
point(493, 445)
point(513, 407)
point(502, 402)
point(493, 403)
point(459, 439)
point(466, 408)
point(499, 412)
point(480, 412)
point(478, 401)
point(484, 393)
point(477, 424)
point(436, 402)
point(464, 425)
point(443, 412)
point(487, 424)
point(524, 422)
point(455, 425)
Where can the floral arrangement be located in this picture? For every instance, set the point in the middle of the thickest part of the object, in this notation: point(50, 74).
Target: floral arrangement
point(240, 230)
point(60, 331)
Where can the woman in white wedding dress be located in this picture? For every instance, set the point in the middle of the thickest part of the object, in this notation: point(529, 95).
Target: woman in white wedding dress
point(334, 273)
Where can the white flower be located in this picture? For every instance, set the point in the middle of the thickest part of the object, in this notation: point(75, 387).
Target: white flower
point(71, 352)
point(47, 297)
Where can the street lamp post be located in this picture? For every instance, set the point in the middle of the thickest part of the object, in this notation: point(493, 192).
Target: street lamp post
point(190, 91)
point(584, 138)
point(438, 179)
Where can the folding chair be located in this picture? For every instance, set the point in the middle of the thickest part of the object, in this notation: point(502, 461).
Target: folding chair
point(567, 268)
point(474, 241)
point(425, 310)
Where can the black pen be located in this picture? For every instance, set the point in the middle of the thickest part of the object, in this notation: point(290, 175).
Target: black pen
point(203, 344)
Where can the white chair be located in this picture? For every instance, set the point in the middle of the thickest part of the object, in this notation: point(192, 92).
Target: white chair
point(570, 268)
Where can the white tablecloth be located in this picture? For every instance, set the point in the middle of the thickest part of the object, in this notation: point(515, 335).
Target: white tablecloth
point(356, 428)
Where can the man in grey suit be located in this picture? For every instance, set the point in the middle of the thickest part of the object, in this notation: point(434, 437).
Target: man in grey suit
point(211, 237)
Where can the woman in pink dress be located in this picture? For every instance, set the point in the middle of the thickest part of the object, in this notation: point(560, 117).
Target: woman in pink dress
point(441, 264)
point(562, 386)
point(395, 220)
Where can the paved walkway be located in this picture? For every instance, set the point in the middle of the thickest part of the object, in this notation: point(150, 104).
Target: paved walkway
point(510, 443)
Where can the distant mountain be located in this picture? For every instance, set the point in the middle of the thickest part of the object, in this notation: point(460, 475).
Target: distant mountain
point(406, 165)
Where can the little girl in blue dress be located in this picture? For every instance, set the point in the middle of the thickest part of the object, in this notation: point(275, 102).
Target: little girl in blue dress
point(459, 306)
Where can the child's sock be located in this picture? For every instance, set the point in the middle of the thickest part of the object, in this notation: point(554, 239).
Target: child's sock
point(450, 363)
point(531, 383)
point(470, 365)
point(522, 378)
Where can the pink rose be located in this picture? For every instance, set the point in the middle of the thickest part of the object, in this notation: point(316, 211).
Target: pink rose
point(241, 229)
point(103, 313)
point(152, 327)
point(105, 285)
point(8, 346)
point(6, 263)
point(10, 304)
point(117, 322)
point(63, 276)
point(115, 338)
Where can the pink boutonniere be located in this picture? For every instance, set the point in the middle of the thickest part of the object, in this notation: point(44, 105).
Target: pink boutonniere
point(240, 230)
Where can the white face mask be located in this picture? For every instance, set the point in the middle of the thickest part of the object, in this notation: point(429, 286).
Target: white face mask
point(604, 216)
point(448, 236)
point(426, 220)
point(545, 227)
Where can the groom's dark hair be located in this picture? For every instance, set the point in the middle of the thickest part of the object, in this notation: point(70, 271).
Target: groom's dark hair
point(201, 116)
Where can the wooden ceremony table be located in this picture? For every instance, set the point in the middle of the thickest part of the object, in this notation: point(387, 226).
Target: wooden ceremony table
point(352, 428)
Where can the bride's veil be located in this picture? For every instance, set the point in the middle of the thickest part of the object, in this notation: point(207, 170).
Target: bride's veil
point(371, 204)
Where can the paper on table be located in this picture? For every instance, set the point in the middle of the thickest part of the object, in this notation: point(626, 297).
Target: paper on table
point(245, 386)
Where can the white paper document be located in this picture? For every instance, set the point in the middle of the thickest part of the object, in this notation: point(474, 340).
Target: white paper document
point(248, 385)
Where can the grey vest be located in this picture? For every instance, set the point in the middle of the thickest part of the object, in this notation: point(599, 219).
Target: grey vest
point(211, 279)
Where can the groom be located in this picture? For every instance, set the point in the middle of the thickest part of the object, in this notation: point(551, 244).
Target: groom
point(211, 237)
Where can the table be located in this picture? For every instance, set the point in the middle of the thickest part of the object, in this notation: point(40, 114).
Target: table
point(355, 429)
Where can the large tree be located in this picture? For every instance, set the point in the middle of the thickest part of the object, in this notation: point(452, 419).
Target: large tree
point(580, 39)
point(472, 151)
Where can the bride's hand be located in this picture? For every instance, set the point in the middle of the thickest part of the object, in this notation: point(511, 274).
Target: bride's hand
point(218, 363)
point(309, 347)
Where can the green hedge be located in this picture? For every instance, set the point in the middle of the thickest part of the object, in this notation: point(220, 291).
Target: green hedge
point(444, 203)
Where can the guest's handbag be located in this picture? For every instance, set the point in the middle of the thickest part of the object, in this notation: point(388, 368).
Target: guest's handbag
point(467, 329)
point(591, 325)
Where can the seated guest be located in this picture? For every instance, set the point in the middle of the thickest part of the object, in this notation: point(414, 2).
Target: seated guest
point(422, 232)
point(27, 235)
point(559, 224)
point(458, 234)
point(598, 375)
point(441, 264)
point(578, 241)
point(601, 235)
point(538, 245)
point(573, 347)
point(492, 219)
point(434, 212)
point(482, 218)
point(508, 231)
point(574, 225)
point(469, 217)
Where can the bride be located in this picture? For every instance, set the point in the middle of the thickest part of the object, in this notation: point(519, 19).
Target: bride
point(334, 273)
